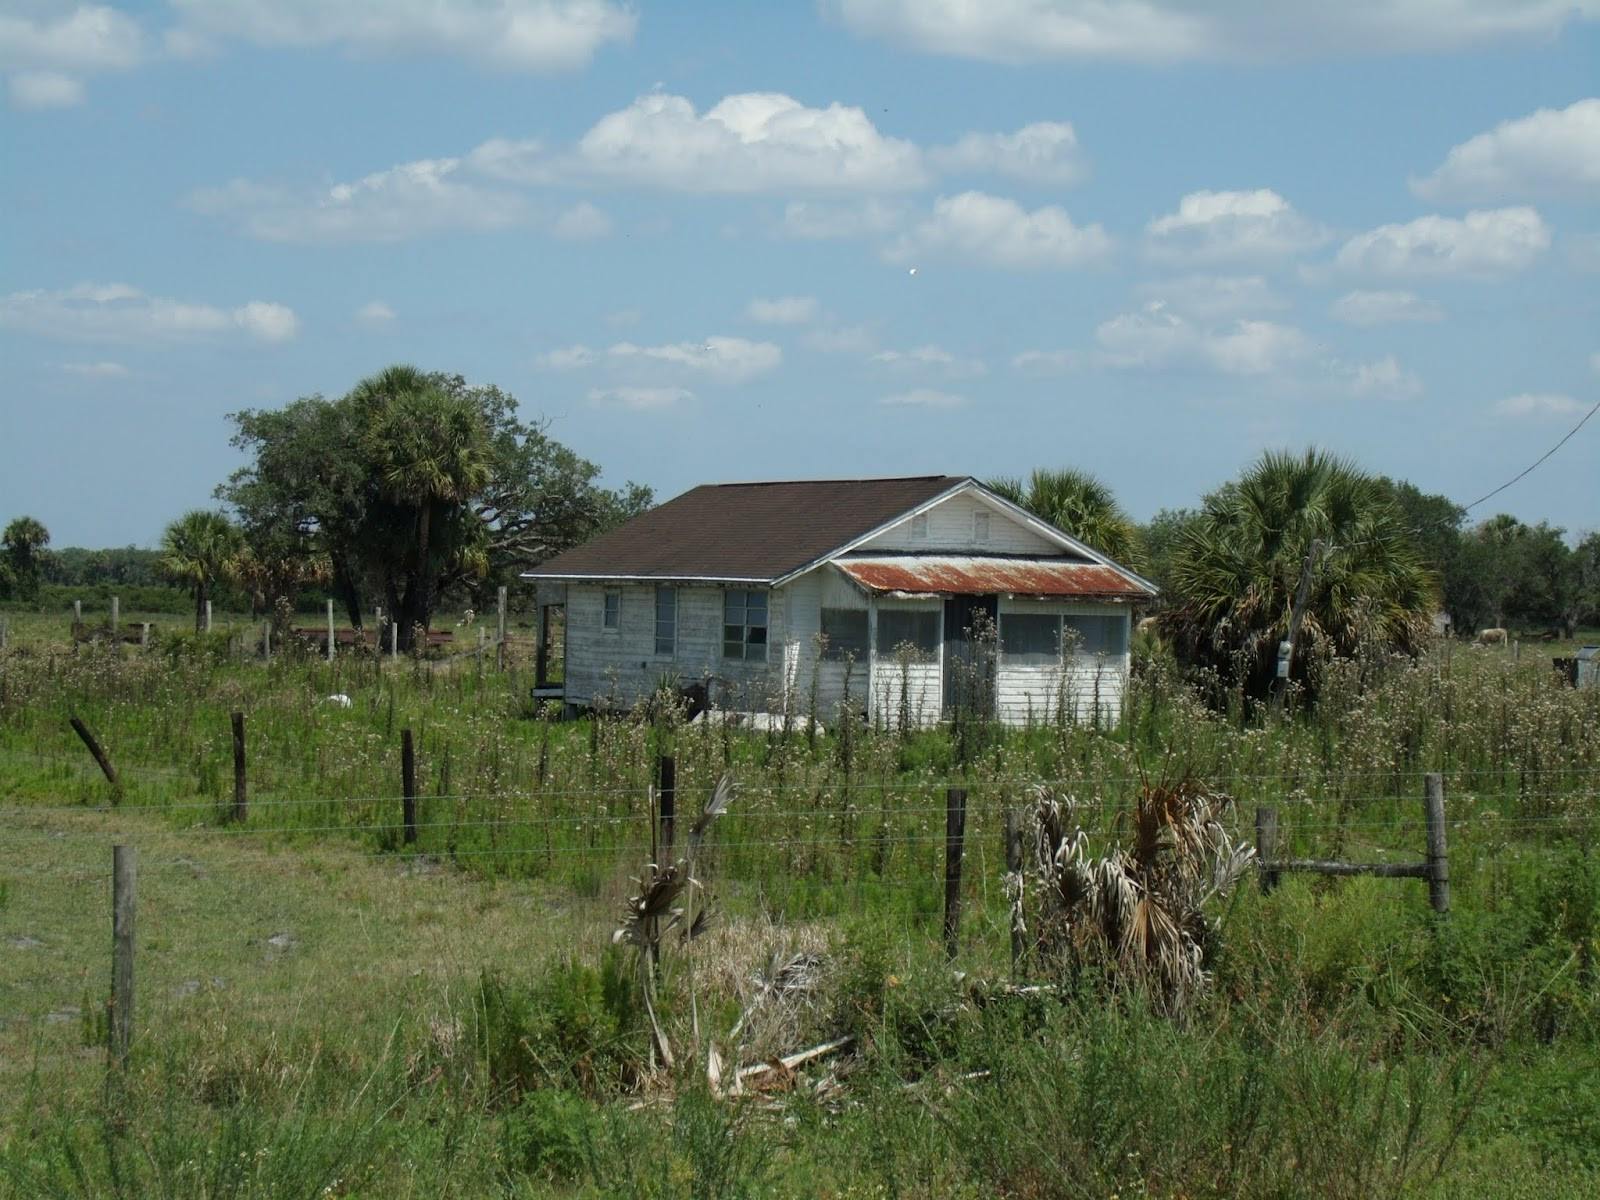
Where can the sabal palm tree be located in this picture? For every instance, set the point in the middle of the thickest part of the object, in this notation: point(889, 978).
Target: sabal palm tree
point(23, 538)
point(429, 453)
point(1078, 503)
point(1237, 568)
point(196, 550)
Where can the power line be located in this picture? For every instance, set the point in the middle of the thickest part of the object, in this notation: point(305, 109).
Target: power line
point(1540, 459)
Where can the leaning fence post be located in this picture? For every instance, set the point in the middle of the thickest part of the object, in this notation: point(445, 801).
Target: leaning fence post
point(667, 796)
point(408, 786)
point(955, 829)
point(119, 1012)
point(1267, 847)
point(1438, 853)
point(100, 756)
point(240, 808)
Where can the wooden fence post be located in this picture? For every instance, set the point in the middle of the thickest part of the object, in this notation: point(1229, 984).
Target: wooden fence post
point(330, 631)
point(394, 640)
point(667, 794)
point(114, 618)
point(266, 642)
point(208, 616)
point(1014, 870)
point(240, 803)
point(500, 634)
point(5, 632)
point(955, 830)
point(77, 617)
point(100, 757)
point(144, 635)
point(408, 786)
point(119, 1012)
point(1438, 853)
point(1267, 847)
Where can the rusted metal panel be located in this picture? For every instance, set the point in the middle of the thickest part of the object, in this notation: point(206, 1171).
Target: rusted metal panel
point(952, 575)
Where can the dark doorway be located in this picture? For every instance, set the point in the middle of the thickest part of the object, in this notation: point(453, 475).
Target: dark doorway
point(970, 624)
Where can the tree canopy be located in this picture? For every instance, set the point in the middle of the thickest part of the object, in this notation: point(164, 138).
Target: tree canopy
point(1077, 503)
point(23, 561)
point(1236, 570)
point(409, 486)
point(197, 550)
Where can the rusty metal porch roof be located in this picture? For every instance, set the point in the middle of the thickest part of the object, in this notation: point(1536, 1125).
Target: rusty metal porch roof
point(974, 575)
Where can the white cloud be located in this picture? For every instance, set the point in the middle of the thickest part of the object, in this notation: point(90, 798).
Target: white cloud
point(996, 232)
point(375, 314)
point(786, 310)
point(1480, 245)
point(97, 370)
point(1384, 308)
point(1044, 152)
point(1157, 338)
point(570, 359)
point(1212, 227)
point(751, 142)
point(47, 57)
point(513, 35)
point(639, 399)
point(805, 219)
point(1212, 297)
point(853, 340)
point(926, 358)
point(116, 312)
point(1166, 31)
point(925, 398)
point(412, 200)
point(1045, 364)
point(1553, 152)
point(1530, 404)
point(45, 89)
point(581, 223)
point(1385, 378)
point(725, 359)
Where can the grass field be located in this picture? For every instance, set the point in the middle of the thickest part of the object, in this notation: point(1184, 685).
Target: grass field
point(325, 1011)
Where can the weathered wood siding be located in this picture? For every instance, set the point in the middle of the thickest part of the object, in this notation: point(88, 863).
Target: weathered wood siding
point(952, 529)
point(1073, 689)
point(907, 691)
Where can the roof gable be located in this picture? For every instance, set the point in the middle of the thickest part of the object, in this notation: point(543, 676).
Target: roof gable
point(755, 532)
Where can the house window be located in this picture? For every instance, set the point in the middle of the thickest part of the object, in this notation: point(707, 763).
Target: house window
point(666, 621)
point(612, 614)
point(1030, 640)
point(846, 632)
point(980, 527)
point(744, 624)
point(917, 628)
point(1091, 636)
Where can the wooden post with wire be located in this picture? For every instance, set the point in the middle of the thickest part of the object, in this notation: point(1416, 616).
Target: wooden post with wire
point(1013, 834)
point(500, 633)
point(241, 810)
point(955, 831)
point(667, 800)
point(119, 1011)
point(100, 756)
point(408, 787)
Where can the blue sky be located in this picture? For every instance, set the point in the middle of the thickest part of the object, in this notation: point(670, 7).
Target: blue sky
point(721, 241)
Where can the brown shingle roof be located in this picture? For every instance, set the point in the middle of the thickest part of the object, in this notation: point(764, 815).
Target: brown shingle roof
point(745, 531)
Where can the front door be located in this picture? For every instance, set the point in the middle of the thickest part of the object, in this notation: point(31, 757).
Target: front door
point(970, 626)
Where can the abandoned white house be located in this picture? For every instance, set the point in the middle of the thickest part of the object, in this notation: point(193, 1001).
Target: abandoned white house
point(896, 597)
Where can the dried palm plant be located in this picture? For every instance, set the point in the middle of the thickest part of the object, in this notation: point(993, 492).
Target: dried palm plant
point(1136, 915)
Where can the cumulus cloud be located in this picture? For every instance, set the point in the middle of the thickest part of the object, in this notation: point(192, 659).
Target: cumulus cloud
point(1044, 152)
point(512, 35)
point(46, 58)
point(786, 310)
point(581, 223)
point(924, 398)
point(1384, 308)
point(1481, 245)
point(1169, 31)
point(819, 222)
point(639, 399)
point(375, 314)
point(724, 359)
point(1385, 379)
point(930, 358)
point(569, 359)
point(1214, 227)
point(995, 232)
point(1046, 364)
point(1212, 297)
point(1157, 338)
point(1552, 153)
point(853, 340)
point(1536, 405)
point(116, 312)
point(97, 370)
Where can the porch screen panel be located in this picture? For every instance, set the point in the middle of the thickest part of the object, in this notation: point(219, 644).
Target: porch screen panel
point(898, 627)
point(1095, 635)
point(846, 632)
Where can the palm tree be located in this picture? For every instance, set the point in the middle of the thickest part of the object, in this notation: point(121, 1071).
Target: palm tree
point(196, 551)
point(1310, 517)
point(429, 453)
point(1077, 503)
point(24, 537)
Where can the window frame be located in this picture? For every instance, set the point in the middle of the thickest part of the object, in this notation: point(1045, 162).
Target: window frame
point(670, 622)
point(611, 610)
point(744, 640)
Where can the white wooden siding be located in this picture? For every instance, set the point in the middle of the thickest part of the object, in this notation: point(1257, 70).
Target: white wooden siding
point(950, 530)
point(1072, 690)
point(905, 692)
